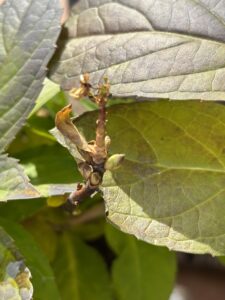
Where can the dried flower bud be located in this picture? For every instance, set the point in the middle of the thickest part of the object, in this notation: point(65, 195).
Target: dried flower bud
point(84, 78)
point(85, 169)
point(95, 179)
point(114, 161)
point(78, 93)
point(83, 90)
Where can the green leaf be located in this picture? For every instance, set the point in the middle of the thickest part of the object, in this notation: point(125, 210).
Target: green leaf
point(38, 226)
point(148, 49)
point(12, 267)
point(140, 270)
point(29, 30)
point(50, 90)
point(14, 184)
point(170, 189)
point(42, 275)
point(222, 260)
point(76, 281)
point(49, 164)
point(47, 190)
point(29, 139)
point(20, 209)
point(51, 169)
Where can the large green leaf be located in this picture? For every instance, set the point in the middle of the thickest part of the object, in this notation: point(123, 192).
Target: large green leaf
point(29, 30)
point(170, 189)
point(140, 270)
point(42, 275)
point(80, 270)
point(164, 49)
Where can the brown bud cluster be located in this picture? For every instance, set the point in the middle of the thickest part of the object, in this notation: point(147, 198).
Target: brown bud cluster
point(93, 156)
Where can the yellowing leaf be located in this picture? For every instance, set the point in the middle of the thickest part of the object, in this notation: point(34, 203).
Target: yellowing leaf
point(170, 189)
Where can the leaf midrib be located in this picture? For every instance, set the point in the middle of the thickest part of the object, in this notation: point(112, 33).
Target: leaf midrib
point(169, 33)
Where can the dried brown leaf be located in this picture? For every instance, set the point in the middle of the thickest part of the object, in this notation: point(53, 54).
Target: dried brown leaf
point(69, 130)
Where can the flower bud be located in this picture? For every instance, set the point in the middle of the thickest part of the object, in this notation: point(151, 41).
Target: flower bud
point(85, 169)
point(84, 78)
point(78, 93)
point(95, 179)
point(114, 161)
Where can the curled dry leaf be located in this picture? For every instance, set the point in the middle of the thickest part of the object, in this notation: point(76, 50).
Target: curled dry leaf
point(67, 128)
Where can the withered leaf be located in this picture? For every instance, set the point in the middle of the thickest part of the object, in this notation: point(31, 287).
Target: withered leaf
point(69, 130)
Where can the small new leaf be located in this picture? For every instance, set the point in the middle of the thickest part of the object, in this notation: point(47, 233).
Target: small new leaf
point(114, 162)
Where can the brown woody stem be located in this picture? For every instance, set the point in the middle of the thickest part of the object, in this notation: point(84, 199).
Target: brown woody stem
point(98, 150)
point(81, 193)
